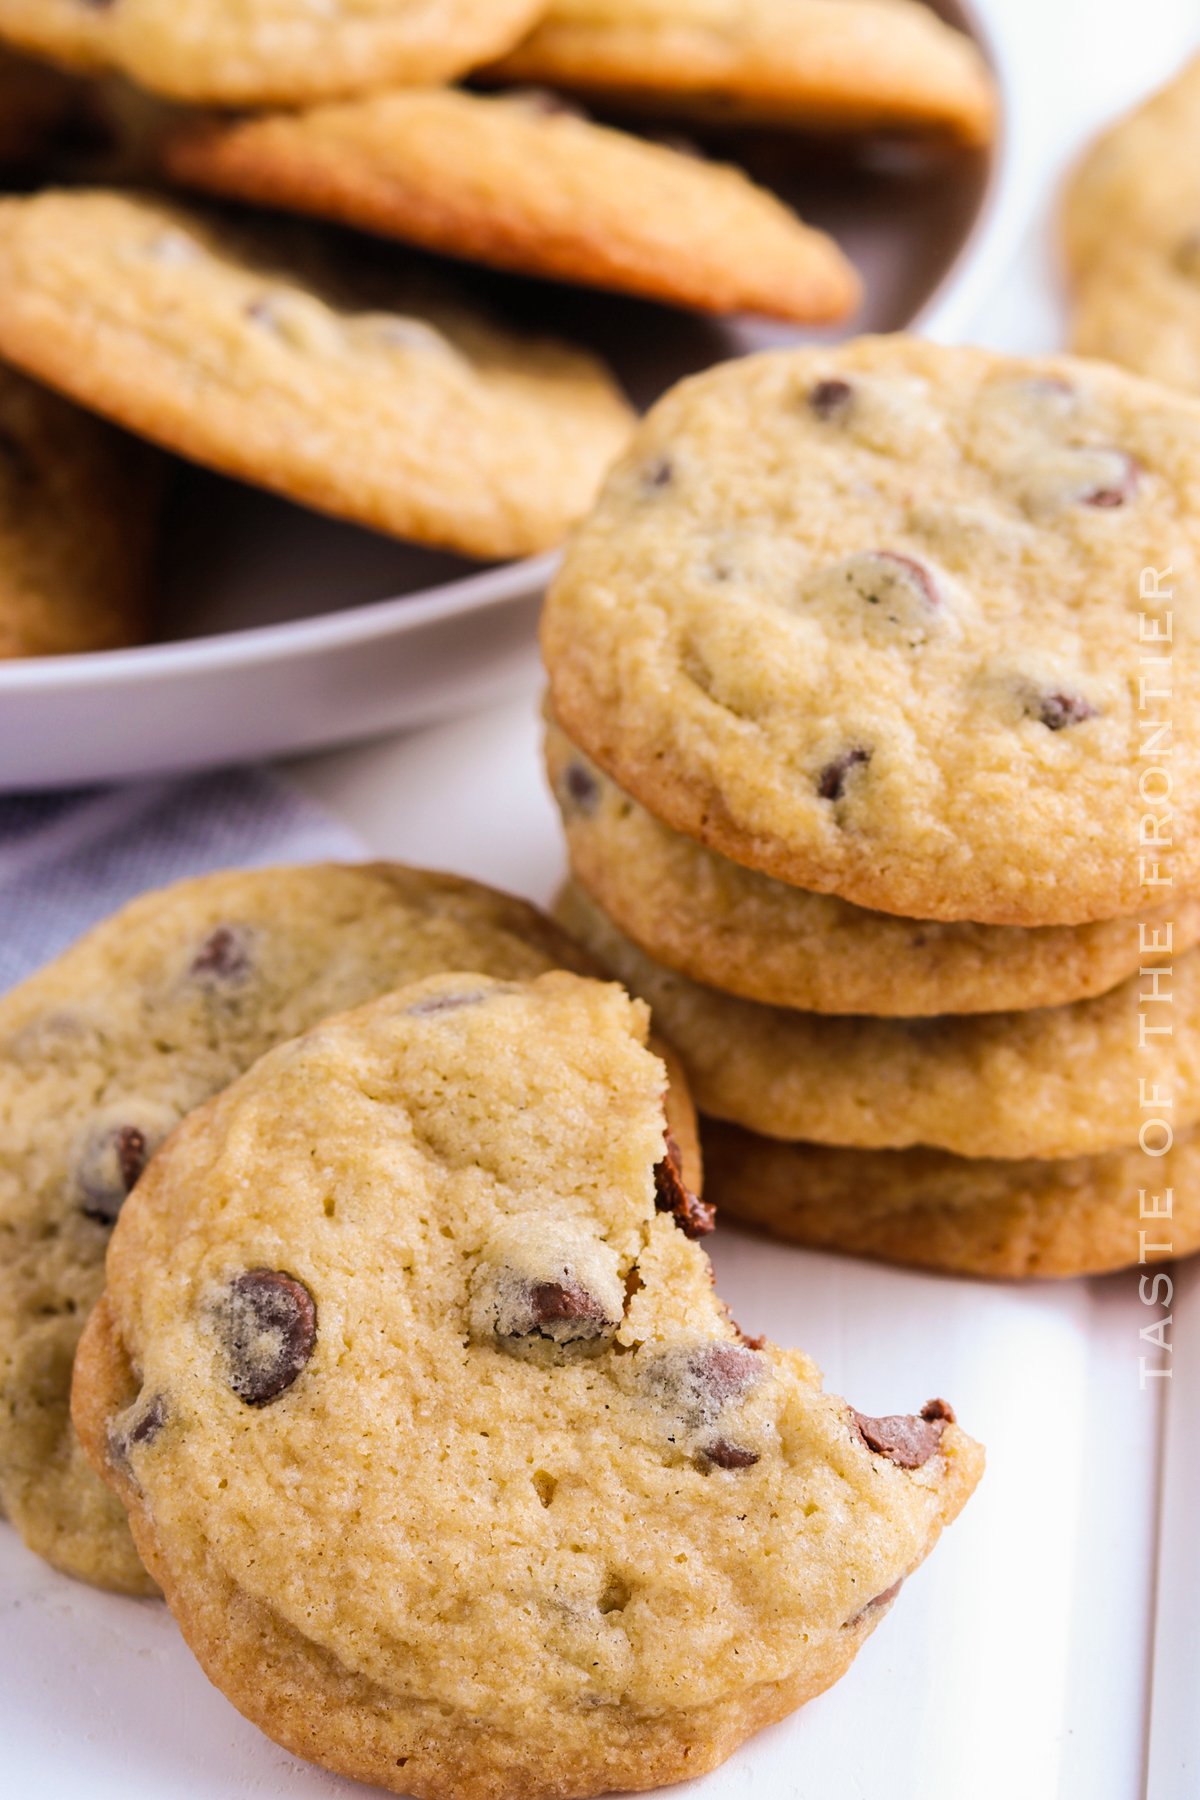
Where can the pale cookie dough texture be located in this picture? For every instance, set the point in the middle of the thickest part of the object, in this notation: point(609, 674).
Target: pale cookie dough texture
point(103, 1051)
point(732, 928)
point(1087, 1215)
point(828, 65)
point(1131, 231)
point(521, 182)
point(266, 52)
point(360, 393)
point(79, 503)
point(875, 620)
point(1058, 1081)
point(454, 1470)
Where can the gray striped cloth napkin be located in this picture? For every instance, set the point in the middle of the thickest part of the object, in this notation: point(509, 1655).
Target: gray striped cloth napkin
point(69, 859)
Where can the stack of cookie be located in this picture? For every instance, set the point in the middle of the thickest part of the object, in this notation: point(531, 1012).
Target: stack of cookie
point(390, 1355)
point(355, 377)
point(862, 678)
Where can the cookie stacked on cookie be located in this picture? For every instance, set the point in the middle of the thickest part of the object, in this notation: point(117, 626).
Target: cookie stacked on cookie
point(381, 1341)
point(856, 674)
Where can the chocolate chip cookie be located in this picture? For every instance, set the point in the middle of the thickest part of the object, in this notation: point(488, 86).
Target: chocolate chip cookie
point(1053, 1082)
point(1131, 227)
point(889, 621)
point(1086, 1215)
point(731, 928)
point(106, 1049)
point(523, 182)
point(265, 52)
point(352, 391)
point(827, 65)
point(453, 1468)
point(79, 503)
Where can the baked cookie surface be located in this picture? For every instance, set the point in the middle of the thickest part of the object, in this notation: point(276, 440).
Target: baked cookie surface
point(360, 394)
point(1054, 1082)
point(264, 52)
point(104, 1050)
point(829, 65)
point(1086, 1215)
point(454, 1470)
point(919, 693)
point(731, 928)
point(78, 507)
point(522, 183)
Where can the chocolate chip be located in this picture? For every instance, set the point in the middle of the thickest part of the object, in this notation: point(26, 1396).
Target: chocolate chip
point(562, 1302)
point(694, 1217)
point(879, 1604)
point(659, 473)
point(444, 1003)
point(721, 1454)
point(907, 1439)
point(137, 1426)
point(831, 782)
point(697, 1384)
point(269, 1325)
point(1057, 711)
point(1117, 489)
point(149, 1423)
point(223, 956)
point(831, 397)
point(111, 1164)
point(581, 790)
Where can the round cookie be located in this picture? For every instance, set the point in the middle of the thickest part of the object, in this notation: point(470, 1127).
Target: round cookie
point(453, 1468)
point(1058, 1081)
point(826, 65)
point(1141, 308)
point(734, 929)
point(356, 392)
point(268, 52)
point(78, 512)
point(522, 182)
point(1087, 1215)
point(1138, 184)
point(872, 620)
point(1131, 231)
point(104, 1050)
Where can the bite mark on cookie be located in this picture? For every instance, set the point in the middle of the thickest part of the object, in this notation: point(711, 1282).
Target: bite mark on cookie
point(907, 1439)
point(694, 1217)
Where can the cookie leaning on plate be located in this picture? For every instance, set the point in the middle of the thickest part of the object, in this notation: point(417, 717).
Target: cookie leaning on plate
point(104, 1050)
point(872, 620)
point(521, 182)
point(731, 928)
point(1086, 1215)
point(1053, 1082)
point(249, 350)
point(453, 1468)
point(829, 65)
point(264, 52)
point(1131, 229)
point(78, 507)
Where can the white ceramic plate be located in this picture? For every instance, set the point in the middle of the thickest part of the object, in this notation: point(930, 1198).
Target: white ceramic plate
point(1019, 1662)
point(275, 638)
